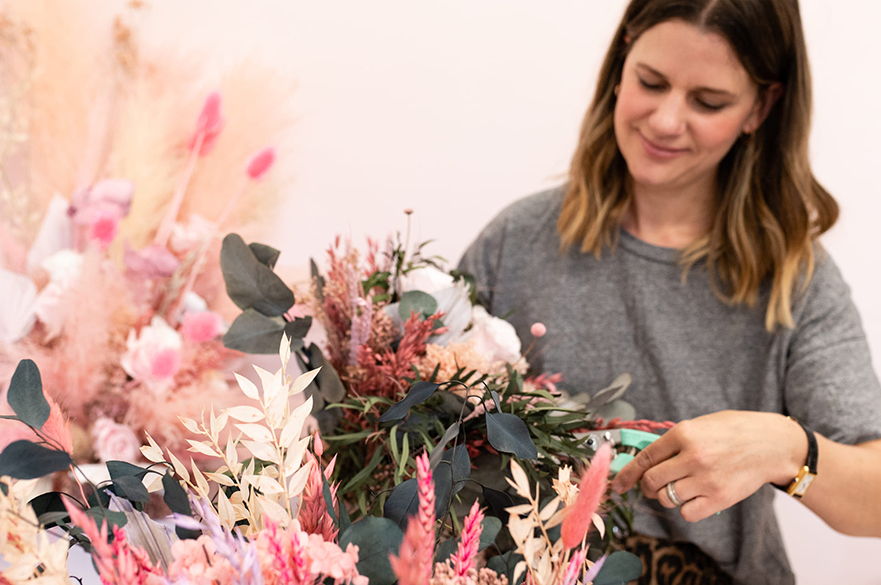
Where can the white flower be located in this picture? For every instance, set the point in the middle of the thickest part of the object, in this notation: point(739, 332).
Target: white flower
point(185, 237)
point(115, 442)
point(494, 338)
point(64, 268)
point(17, 315)
point(153, 357)
point(428, 279)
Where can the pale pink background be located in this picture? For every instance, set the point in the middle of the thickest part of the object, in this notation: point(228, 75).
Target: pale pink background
point(457, 107)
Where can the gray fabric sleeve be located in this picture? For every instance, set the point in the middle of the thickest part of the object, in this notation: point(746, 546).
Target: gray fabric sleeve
point(830, 384)
point(483, 258)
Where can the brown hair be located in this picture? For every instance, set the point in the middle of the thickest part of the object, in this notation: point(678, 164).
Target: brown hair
point(771, 208)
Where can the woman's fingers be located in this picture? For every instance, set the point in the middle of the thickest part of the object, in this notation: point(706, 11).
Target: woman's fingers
point(656, 453)
point(685, 489)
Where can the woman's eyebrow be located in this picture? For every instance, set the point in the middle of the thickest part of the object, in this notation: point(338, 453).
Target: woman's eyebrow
point(713, 90)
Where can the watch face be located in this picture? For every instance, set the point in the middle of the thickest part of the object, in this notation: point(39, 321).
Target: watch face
point(804, 484)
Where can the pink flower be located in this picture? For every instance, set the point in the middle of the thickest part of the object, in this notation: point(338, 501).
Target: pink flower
point(196, 562)
point(209, 125)
point(590, 493)
point(111, 197)
point(574, 567)
point(414, 563)
point(104, 228)
point(538, 329)
point(153, 357)
point(202, 326)
point(151, 262)
point(115, 442)
point(464, 560)
point(260, 163)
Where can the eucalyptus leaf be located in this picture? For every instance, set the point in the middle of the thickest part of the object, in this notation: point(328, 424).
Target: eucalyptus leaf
point(616, 409)
point(416, 301)
point(119, 469)
point(619, 568)
point(47, 504)
point(402, 502)
point(499, 502)
point(508, 433)
point(131, 488)
point(419, 393)
point(266, 255)
point(297, 329)
point(613, 391)
point(505, 565)
point(490, 528)
point(101, 514)
point(460, 461)
point(26, 460)
point(318, 280)
point(495, 397)
point(254, 332)
point(251, 284)
point(176, 499)
point(438, 451)
point(376, 539)
point(330, 386)
point(25, 395)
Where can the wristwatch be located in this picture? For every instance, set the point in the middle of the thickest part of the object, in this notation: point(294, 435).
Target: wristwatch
point(808, 473)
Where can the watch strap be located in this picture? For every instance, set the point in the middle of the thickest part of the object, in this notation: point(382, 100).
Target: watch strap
point(810, 461)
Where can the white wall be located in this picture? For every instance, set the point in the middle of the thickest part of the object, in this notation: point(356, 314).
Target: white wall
point(456, 108)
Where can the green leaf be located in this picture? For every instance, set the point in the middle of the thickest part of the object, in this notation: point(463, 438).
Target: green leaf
point(491, 526)
point(119, 469)
point(25, 395)
point(616, 409)
point(508, 433)
point(131, 488)
point(318, 280)
point(402, 503)
point(499, 502)
point(266, 255)
point(620, 568)
point(26, 460)
point(297, 329)
point(495, 397)
point(364, 474)
point(254, 332)
point(101, 514)
point(445, 549)
point(438, 450)
point(376, 538)
point(613, 391)
point(47, 504)
point(330, 386)
point(175, 496)
point(250, 284)
point(505, 565)
point(419, 393)
point(460, 461)
point(416, 301)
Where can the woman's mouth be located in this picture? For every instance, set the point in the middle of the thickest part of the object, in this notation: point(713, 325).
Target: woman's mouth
point(657, 151)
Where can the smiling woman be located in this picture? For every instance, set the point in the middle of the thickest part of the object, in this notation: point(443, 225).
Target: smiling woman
point(686, 253)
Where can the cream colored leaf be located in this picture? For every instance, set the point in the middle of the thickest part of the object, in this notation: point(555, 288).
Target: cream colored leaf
point(600, 525)
point(284, 350)
point(221, 479)
point(557, 518)
point(222, 419)
point(190, 424)
point(153, 482)
point(520, 529)
point(519, 568)
point(521, 482)
point(232, 455)
point(293, 429)
point(519, 510)
point(247, 414)
point(236, 499)
point(179, 467)
point(294, 456)
point(273, 511)
point(201, 482)
point(199, 447)
point(298, 481)
point(264, 375)
point(276, 409)
point(256, 432)
point(249, 469)
point(225, 511)
point(549, 509)
point(268, 486)
point(545, 569)
point(272, 387)
point(302, 382)
point(248, 387)
point(261, 451)
point(153, 453)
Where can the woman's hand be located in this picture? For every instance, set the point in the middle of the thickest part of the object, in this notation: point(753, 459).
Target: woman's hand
point(717, 460)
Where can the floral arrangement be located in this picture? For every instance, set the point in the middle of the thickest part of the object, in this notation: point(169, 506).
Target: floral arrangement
point(274, 517)
point(110, 209)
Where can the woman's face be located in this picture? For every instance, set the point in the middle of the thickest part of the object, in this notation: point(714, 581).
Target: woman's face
point(684, 100)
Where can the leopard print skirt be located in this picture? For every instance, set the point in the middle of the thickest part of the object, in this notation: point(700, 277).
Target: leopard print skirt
point(674, 563)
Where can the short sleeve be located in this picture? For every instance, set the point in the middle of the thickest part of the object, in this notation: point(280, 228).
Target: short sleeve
point(483, 258)
point(830, 384)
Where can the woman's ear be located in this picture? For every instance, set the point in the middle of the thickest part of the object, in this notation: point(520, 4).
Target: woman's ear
point(766, 101)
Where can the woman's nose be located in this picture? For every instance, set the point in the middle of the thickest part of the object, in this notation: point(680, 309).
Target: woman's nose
point(668, 119)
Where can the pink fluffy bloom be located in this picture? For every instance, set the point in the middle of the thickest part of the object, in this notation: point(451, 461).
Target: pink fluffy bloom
point(590, 494)
point(104, 228)
point(153, 356)
point(538, 330)
point(202, 326)
point(574, 567)
point(414, 563)
point(208, 125)
point(260, 163)
point(110, 197)
point(469, 545)
point(196, 562)
point(293, 557)
point(115, 442)
point(152, 262)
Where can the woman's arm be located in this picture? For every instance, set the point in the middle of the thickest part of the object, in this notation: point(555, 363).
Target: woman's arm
point(719, 459)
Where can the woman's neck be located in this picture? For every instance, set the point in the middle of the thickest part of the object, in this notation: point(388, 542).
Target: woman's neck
point(670, 219)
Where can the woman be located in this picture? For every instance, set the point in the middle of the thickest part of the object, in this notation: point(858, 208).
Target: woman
point(683, 250)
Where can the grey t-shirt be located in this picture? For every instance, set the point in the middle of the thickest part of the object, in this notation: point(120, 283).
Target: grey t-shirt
point(688, 353)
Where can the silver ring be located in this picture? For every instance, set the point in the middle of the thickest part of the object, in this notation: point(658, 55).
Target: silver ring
point(671, 493)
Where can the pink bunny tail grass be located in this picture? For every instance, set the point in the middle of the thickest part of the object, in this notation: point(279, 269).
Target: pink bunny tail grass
point(590, 493)
point(574, 567)
point(209, 125)
point(465, 558)
point(414, 563)
point(260, 163)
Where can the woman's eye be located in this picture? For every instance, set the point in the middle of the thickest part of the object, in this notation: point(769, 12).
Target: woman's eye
point(709, 106)
point(650, 86)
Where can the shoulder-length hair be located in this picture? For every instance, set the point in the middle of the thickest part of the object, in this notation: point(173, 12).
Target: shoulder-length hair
point(771, 208)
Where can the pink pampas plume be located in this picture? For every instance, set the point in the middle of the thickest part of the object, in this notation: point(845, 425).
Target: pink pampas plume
point(464, 559)
point(413, 566)
point(56, 429)
point(313, 515)
point(590, 493)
